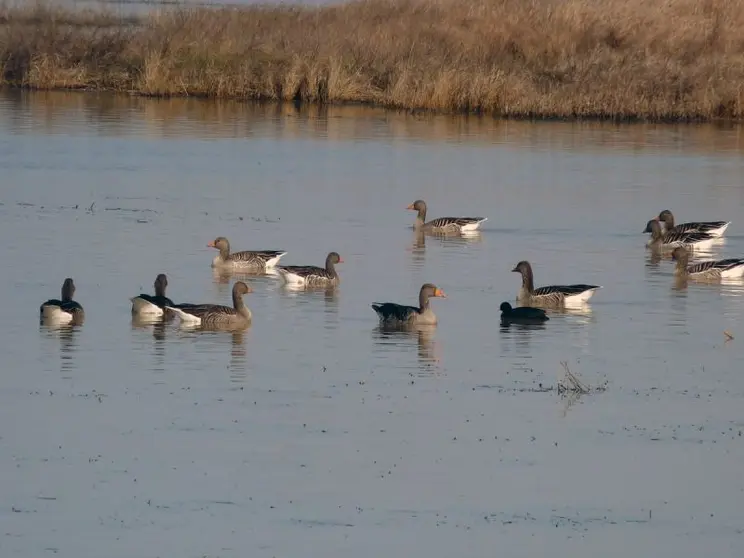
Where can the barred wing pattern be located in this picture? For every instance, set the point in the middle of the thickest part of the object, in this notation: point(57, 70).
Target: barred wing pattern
point(455, 223)
point(686, 240)
point(715, 269)
point(558, 293)
point(703, 227)
point(312, 275)
point(259, 258)
point(209, 314)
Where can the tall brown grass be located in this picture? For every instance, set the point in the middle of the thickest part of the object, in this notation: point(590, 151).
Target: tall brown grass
point(650, 59)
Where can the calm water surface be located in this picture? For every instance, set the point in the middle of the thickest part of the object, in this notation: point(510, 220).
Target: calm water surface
point(314, 433)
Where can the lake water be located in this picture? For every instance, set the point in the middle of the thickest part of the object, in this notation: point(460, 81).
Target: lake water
point(313, 432)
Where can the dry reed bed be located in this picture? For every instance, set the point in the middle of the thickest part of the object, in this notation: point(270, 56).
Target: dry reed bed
point(652, 59)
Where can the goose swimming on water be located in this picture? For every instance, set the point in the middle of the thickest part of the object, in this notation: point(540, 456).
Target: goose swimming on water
point(444, 224)
point(146, 304)
point(713, 228)
point(553, 294)
point(391, 313)
point(216, 315)
point(64, 311)
point(310, 275)
point(256, 260)
point(709, 270)
point(670, 240)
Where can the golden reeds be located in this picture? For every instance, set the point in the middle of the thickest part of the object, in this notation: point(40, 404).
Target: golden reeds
point(651, 59)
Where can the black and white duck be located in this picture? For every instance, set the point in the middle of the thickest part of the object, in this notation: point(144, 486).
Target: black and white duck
point(149, 305)
point(64, 311)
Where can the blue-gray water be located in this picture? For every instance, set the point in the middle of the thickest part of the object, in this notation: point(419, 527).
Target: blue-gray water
point(313, 433)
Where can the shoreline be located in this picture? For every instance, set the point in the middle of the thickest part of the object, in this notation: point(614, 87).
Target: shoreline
point(542, 60)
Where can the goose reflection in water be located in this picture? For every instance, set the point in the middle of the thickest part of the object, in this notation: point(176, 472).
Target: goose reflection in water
point(238, 360)
point(67, 335)
point(418, 246)
point(158, 325)
point(404, 336)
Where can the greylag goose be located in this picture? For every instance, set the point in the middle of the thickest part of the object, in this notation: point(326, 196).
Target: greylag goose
point(553, 294)
point(258, 260)
point(444, 224)
point(670, 240)
point(706, 270)
point(153, 305)
point(64, 311)
point(522, 314)
point(391, 313)
point(310, 275)
point(216, 315)
point(713, 228)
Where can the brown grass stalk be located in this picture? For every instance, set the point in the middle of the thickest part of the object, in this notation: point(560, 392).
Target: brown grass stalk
point(647, 59)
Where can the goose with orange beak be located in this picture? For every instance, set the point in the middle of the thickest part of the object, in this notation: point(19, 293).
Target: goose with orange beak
point(391, 313)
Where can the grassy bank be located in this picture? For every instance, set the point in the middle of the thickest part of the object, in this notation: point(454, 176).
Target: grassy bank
point(654, 59)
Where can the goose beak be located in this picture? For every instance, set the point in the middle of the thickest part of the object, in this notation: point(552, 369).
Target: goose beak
point(515, 270)
point(410, 206)
point(340, 259)
point(211, 245)
point(440, 293)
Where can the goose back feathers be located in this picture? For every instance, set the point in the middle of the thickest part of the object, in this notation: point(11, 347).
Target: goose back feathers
point(713, 228)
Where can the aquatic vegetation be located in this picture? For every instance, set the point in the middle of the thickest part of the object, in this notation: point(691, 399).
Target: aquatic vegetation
point(538, 58)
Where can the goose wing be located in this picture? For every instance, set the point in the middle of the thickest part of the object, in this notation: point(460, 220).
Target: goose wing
point(701, 267)
point(390, 311)
point(699, 226)
point(679, 238)
point(565, 290)
point(159, 301)
point(203, 310)
point(443, 222)
point(306, 271)
point(256, 256)
point(728, 263)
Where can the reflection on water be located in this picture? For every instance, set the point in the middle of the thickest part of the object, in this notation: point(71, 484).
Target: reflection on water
point(66, 335)
point(451, 242)
point(115, 189)
point(405, 337)
point(125, 115)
